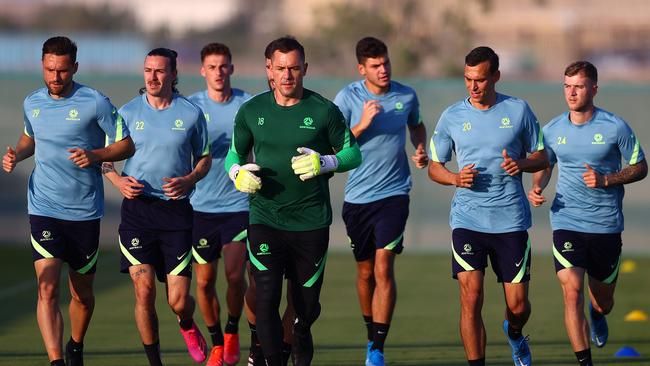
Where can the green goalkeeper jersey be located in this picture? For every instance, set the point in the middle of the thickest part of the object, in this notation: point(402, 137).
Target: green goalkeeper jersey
point(274, 133)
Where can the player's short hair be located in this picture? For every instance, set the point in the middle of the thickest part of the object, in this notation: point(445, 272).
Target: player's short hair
point(482, 54)
point(370, 47)
point(216, 48)
point(584, 67)
point(171, 56)
point(284, 44)
point(60, 46)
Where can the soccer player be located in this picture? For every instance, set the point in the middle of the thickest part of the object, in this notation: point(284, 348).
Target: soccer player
point(172, 154)
point(70, 129)
point(255, 356)
point(495, 138)
point(376, 206)
point(290, 210)
point(220, 211)
point(586, 215)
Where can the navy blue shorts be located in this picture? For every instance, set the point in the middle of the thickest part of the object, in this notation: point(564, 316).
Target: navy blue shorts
point(509, 253)
point(211, 231)
point(159, 233)
point(376, 225)
point(598, 254)
point(74, 242)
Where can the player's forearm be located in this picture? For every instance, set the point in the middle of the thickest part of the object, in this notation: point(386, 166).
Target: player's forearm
point(418, 135)
point(629, 174)
point(440, 174)
point(349, 158)
point(116, 151)
point(534, 162)
point(359, 129)
point(233, 158)
point(24, 148)
point(201, 169)
point(542, 177)
point(108, 169)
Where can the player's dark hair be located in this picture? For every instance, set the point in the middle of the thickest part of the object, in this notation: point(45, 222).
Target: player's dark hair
point(585, 67)
point(171, 56)
point(284, 44)
point(370, 47)
point(216, 49)
point(482, 54)
point(60, 46)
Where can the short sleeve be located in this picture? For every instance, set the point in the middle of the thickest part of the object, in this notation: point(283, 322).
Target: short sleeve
point(28, 130)
point(414, 115)
point(628, 144)
point(552, 158)
point(341, 101)
point(200, 145)
point(110, 121)
point(441, 144)
point(339, 133)
point(532, 132)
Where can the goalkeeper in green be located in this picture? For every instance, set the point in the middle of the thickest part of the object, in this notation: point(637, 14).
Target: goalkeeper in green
point(299, 139)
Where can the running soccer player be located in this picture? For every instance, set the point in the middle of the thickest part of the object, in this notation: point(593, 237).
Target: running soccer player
point(495, 138)
point(70, 129)
point(290, 210)
point(586, 215)
point(172, 155)
point(255, 356)
point(220, 211)
point(376, 206)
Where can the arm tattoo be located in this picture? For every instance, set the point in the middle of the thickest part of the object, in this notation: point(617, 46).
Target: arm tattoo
point(627, 175)
point(107, 167)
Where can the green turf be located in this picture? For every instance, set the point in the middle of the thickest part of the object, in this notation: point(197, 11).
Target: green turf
point(424, 330)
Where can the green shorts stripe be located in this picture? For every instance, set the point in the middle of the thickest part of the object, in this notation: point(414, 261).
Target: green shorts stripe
point(524, 263)
point(90, 264)
point(125, 252)
point(318, 273)
point(460, 260)
point(394, 243)
point(254, 260)
point(614, 274)
point(240, 237)
point(40, 249)
point(181, 266)
point(563, 261)
point(198, 258)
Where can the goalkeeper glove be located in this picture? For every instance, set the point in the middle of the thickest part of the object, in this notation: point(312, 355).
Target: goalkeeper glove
point(245, 181)
point(310, 163)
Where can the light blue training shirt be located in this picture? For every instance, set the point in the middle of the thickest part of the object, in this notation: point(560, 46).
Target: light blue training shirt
point(85, 119)
point(600, 143)
point(168, 142)
point(216, 193)
point(497, 202)
point(384, 170)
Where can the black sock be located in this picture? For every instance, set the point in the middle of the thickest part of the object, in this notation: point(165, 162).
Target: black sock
point(74, 353)
point(153, 353)
point(584, 357)
point(513, 334)
point(379, 334)
point(368, 321)
point(216, 335)
point(232, 326)
point(254, 340)
point(477, 362)
point(58, 362)
point(186, 324)
point(75, 345)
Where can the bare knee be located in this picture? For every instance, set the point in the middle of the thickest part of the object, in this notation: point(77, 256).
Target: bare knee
point(145, 294)
point(471, 302)
point(205, 283)
point(573, 299)
point(384, 276)
point(235, 277)
point(365, 274)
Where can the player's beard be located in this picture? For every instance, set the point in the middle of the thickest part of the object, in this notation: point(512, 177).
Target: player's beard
point(59, 90)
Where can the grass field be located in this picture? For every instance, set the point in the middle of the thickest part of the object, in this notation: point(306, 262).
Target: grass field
point(424, 329)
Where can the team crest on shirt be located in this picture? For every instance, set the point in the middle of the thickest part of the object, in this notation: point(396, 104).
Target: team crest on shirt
point(178, 125)
point(307, 123)
point(505, 123)
point(598, 139)
point(399, 106)
point(73, 115)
